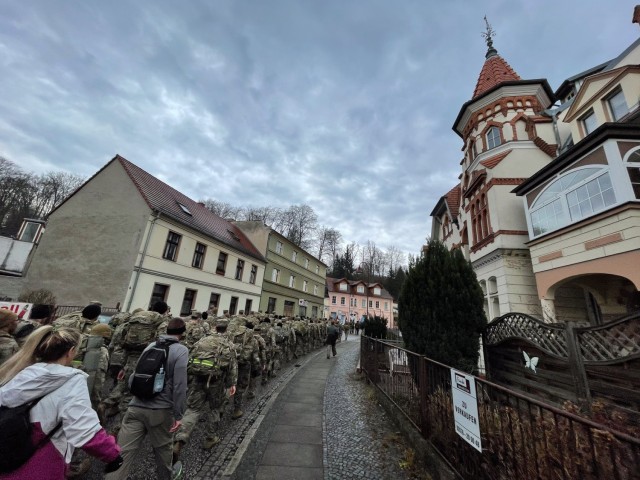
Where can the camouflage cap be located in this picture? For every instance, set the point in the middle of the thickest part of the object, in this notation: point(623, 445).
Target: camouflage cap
point(222, 322)
point(101, 330)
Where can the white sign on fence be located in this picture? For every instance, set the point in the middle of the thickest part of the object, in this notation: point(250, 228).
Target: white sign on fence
point(465, 408)
point(21, 309)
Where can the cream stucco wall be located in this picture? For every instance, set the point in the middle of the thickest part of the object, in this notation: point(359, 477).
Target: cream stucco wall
point(91, 242)
point(617, 233)
point(179, 274)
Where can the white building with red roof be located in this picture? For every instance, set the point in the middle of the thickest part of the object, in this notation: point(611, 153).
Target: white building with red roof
point(125, 237)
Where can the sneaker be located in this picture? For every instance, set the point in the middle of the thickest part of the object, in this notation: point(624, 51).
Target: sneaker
point(209, 443)
point(177, 471)
point(237, 413)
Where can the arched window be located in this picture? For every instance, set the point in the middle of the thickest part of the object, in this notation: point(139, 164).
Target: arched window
point(575, 195)
point(633, 169)
point(493, 137)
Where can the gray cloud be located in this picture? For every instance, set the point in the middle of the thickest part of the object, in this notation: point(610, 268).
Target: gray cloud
point(346, 106)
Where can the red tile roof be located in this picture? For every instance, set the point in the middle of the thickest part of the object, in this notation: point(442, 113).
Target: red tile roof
point(494, 71)
point(165, 199)
point(495, 160)
point(453, 201)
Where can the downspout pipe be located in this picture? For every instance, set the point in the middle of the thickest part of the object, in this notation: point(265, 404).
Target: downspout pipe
point(156, 216)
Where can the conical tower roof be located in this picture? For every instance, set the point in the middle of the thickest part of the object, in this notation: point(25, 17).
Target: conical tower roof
point(495, 69)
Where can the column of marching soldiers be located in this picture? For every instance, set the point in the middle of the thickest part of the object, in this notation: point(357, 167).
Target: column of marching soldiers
point(224, 351)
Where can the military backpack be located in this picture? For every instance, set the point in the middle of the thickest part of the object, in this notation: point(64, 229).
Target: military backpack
point(210, 355)
point(141, 330)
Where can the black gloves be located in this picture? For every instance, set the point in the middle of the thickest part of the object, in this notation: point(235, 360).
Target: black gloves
point(113, 466)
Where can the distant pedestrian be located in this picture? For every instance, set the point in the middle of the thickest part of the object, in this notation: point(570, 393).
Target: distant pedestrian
point(160, 416)
point(333, 332)
point(61, 415)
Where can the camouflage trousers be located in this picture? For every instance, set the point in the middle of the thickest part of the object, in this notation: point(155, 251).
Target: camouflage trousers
point(120, 395)
point(244, 380)
point(277, 358)
point(202, 400)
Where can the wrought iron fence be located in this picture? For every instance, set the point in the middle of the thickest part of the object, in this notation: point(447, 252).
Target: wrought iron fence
point(521, 436)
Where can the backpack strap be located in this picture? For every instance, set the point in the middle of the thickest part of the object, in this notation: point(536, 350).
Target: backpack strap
point(48, 436)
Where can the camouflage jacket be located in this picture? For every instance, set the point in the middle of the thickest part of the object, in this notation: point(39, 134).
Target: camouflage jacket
point(196, 329)
point(220, 350)
point(8, 346)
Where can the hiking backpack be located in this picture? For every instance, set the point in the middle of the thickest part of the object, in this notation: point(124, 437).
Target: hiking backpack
point(76, 321)
point(210, 356)
point(149, 374)
point(141, 330)
point(16, 444)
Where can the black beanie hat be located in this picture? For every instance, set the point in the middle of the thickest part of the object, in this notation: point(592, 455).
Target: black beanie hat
point(92, 311)
point(160, 307)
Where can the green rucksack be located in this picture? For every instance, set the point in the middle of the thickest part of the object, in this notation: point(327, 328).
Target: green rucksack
point(242, 337)
point(210, 355)
point(76, 321)
point(141, 330)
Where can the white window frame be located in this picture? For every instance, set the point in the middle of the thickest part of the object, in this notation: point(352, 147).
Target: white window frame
point(317, 269)
point(279, 247)
point(304, 285)
point(292, 281)
point(306, 263)
point(294, 256)
point(563, 215)
point(493, 137)
point(619, 95)
point(343, 287)
point(315, 289)
point(333, 299)
point(377, 291)
point(275, 275)
point(360, 289)
point(590, 115)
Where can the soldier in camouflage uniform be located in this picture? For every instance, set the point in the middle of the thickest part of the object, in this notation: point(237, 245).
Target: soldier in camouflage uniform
point(248, 352)
point(8, 325)
point(144, 324)
point(268, 334)
point(213, 373)
point(197, 328)
point(96, 393)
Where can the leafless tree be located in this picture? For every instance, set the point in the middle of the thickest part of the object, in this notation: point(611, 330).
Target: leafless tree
point(328, 242)
point(267, 215)
point(223, 209)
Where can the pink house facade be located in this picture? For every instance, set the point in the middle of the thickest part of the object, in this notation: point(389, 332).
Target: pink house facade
point(353, 299)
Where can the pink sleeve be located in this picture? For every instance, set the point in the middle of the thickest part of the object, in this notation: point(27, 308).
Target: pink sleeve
point(102, 446)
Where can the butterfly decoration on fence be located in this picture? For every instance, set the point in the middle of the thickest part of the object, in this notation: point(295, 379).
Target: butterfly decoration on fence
point(530, 362)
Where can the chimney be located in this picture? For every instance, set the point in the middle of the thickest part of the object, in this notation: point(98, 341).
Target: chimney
point(636, 15)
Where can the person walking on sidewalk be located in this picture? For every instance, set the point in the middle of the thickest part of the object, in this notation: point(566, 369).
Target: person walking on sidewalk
point(333, 333)
point(160, 416)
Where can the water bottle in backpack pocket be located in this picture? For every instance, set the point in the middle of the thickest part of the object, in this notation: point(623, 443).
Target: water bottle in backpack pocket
point(149, 376)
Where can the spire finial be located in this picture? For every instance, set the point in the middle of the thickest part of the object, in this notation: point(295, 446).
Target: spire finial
point(488, 36)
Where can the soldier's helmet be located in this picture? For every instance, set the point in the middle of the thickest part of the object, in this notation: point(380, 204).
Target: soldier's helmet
point(101, 330)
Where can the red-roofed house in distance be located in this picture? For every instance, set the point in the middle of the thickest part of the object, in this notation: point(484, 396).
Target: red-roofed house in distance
point(351, 299)
point(130, 239)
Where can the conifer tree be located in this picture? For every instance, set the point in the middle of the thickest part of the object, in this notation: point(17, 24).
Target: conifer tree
point(440, 308)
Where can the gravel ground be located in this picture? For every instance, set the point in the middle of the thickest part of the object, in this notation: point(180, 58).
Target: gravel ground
point(361, 441)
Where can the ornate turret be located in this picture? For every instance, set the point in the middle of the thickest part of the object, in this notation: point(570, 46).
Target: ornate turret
point(495, 69)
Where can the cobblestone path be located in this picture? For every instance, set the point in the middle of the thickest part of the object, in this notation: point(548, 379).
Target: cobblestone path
point(360, 440)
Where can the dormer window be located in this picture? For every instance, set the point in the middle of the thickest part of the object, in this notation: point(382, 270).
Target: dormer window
point(617, 105)
point(360, 288)
point(185, 209)
point(493, 137)
point(589, 122)
point(343, 287)
point(376, 291)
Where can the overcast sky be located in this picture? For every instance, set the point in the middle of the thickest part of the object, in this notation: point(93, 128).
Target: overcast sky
point(344, 105)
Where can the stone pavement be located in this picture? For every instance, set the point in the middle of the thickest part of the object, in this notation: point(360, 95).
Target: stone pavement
point(325, 425)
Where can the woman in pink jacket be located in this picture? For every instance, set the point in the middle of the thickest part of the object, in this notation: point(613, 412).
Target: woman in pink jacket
point(42, 369)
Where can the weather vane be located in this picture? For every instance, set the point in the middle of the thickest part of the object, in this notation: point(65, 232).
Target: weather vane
point(489, 34)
